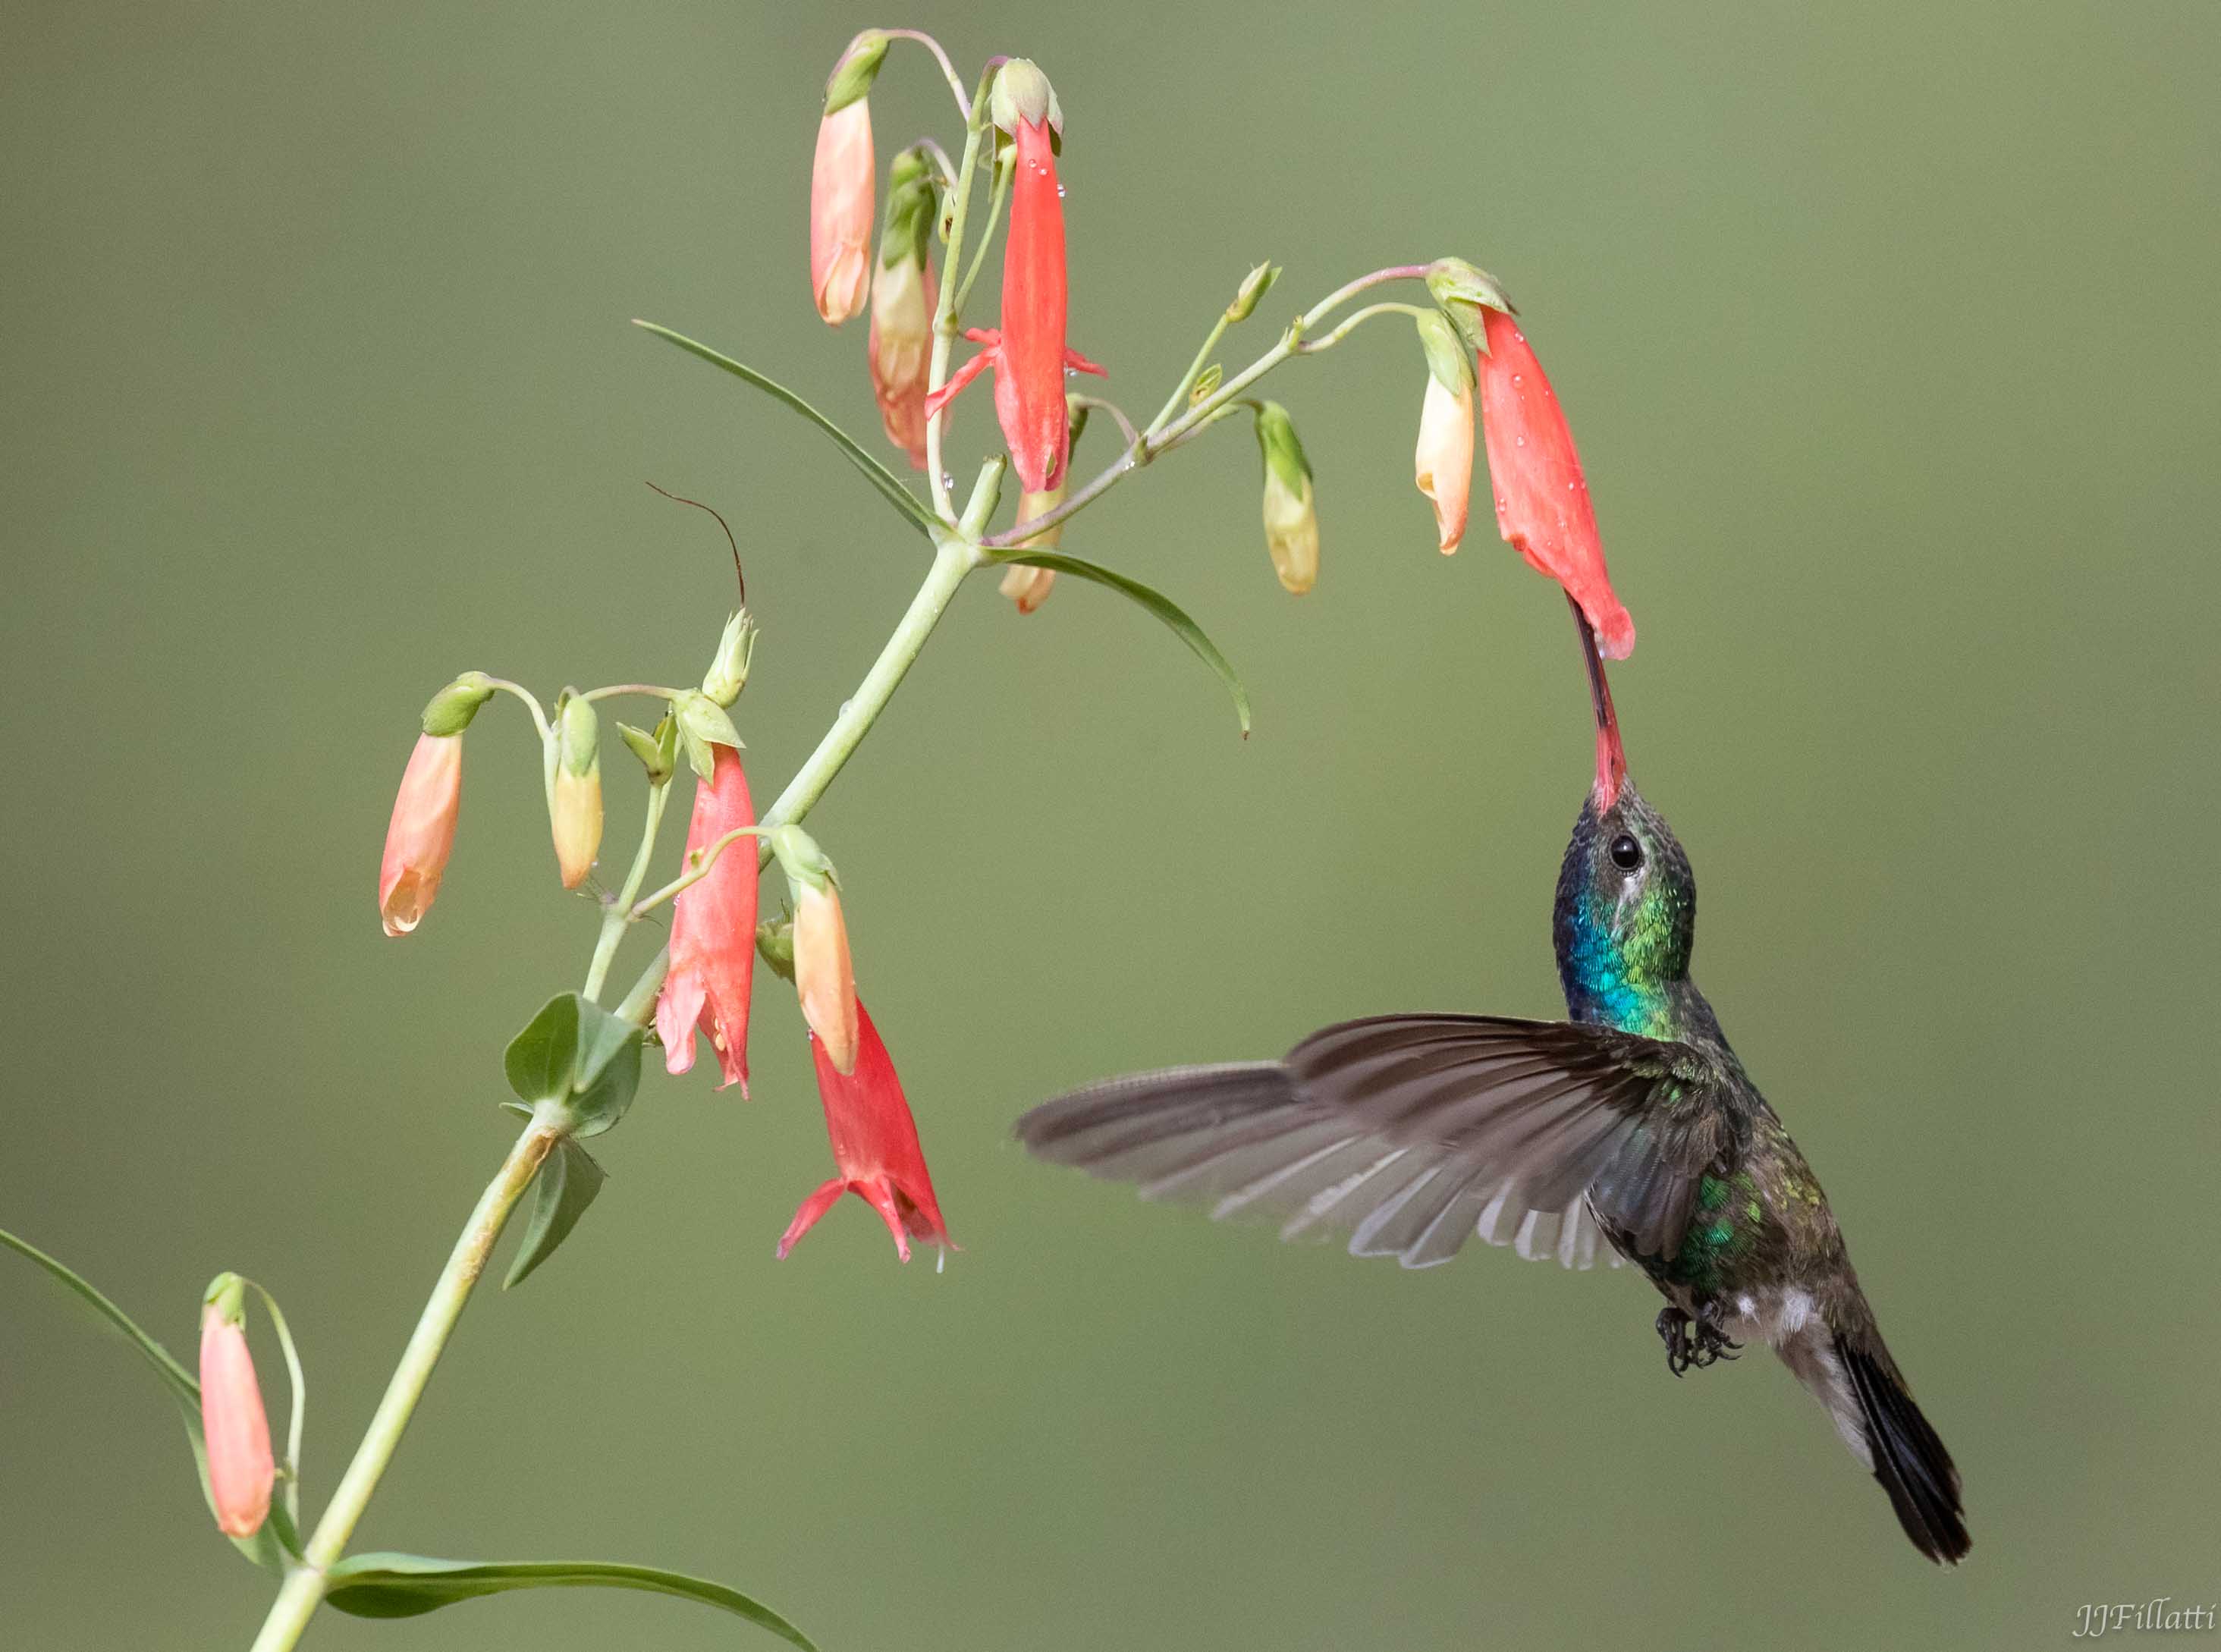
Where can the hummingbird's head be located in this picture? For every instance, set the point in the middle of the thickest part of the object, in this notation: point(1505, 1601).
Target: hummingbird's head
point(1625, 921)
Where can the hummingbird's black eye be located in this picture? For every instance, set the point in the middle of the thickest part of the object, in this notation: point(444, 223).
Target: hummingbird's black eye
point(1626, 853)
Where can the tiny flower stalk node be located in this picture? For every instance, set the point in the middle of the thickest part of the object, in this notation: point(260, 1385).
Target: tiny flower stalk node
point(242, 1470)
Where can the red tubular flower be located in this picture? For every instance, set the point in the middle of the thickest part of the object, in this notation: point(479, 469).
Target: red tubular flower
point(713, 933)
point(1029, 354)
point(422, 833)
point(874, 1148)
point(1542, 507)
point(239, 1469)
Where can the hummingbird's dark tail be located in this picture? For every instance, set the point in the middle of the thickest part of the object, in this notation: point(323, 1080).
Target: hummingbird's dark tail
point(1909, 1460)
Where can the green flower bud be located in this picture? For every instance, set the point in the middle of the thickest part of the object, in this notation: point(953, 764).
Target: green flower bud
point(1023, 93)
point(451, 709)
point(1290, 515)
point(702, 724)
point(729, 672)
point(775, 945)
point(859, 67)
point(1254, 286)
point(913, 203)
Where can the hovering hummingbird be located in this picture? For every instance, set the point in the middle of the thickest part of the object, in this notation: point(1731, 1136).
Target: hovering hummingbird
point(1633, 1120)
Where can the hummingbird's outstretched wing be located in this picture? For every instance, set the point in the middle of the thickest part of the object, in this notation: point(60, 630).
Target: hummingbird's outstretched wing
point(1415, 1132)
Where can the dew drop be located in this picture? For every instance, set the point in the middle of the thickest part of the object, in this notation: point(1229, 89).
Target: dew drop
point(1518, 335)
point(1515, 378)
point(1520, 442)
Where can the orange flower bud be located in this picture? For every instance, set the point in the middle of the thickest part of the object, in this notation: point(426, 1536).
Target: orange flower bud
point(842, 182)
point(241, 1469)
point(422, 833)
point(825, 975)
point(574, 798)
point(1442, 467)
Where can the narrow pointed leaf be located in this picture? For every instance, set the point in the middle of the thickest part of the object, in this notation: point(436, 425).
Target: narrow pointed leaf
point(874, 473)
point(567, 1182)
point(1157, 603)
point(268, 1548)
point(406, 1585)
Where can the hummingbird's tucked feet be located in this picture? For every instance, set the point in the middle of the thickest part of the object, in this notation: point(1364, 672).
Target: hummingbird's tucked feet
point(1690, 1342)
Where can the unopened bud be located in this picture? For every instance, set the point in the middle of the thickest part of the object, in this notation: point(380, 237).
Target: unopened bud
point(824, 976)
point(575, 803)
point(1206, 383)
point(421, 834)
point(241, 1469)
point(1254, 286)
point(775, 944)
point(1023, 93)
point(1464, 290)
point(1291, 517)
point(859, 67)
point(451, 709)
point(736, 649)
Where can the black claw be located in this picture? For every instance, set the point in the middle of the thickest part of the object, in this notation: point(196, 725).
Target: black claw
point(1693, 1342)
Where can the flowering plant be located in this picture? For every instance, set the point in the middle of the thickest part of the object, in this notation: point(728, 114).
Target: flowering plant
point(575, 1068)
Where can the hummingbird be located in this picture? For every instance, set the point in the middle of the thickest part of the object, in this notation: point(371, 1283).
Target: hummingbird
point(1632, 1122)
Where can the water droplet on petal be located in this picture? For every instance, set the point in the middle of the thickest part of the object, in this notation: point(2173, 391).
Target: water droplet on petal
point(1520, 441)
point(1515, 378)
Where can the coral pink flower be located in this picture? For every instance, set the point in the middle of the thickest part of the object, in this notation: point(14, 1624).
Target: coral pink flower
point(875, 1148)
point(1029, 354)
point(840, 185)
point(422, 833)
point(1543, 505)
point(901, 349)
point(713, 933)
point(239, 1467)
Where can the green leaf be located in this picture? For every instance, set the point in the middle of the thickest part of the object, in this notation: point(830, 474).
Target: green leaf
point(1156, 602)
point(268, 1548)
point(874, 473)
point(406, 1585)
point(579, 1055)
point(566, 1185)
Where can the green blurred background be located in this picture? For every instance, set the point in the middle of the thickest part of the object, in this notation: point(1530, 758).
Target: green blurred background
point(1886, 332)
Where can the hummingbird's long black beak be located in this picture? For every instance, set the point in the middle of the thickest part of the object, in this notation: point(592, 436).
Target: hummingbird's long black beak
point(1611, 759)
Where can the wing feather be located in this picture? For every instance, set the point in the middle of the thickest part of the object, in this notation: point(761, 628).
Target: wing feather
point(1414, 1133)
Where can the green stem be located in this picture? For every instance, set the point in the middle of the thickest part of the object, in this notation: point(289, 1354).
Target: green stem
point(952, 561)
point(1158, 438)
point(946, 313)
point(618, 915)
point(1000, 193)
point(303, 1590)
point(1173, 402)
